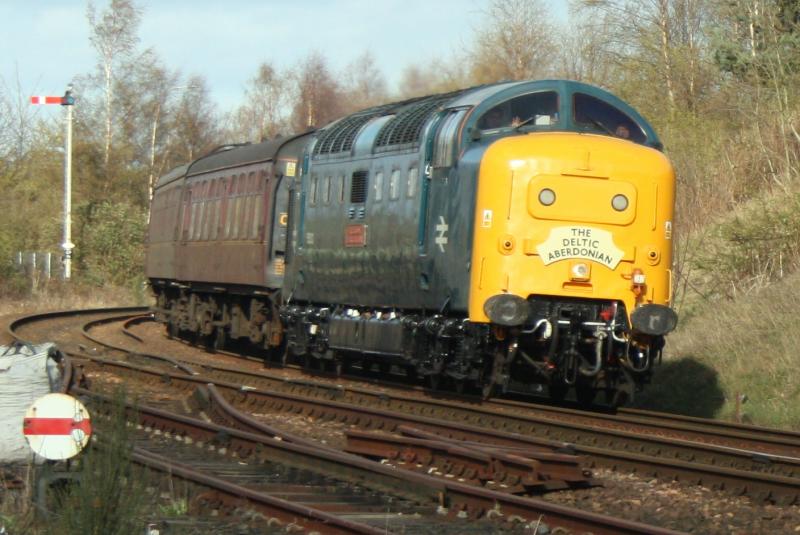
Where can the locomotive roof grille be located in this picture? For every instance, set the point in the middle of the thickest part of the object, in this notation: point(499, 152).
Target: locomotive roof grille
point(340, 137)
point(406, 126)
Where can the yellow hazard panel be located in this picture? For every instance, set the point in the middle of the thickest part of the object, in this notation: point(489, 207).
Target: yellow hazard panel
point(572, 215)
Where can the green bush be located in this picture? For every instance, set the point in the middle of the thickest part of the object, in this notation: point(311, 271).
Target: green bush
point(111, 497)
point(757, 246)
point(111, 249)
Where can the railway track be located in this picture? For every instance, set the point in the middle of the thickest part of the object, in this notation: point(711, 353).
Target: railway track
point(247, 390)
point(778, 442)
point(463, 500)
point(489, 428)
point(427, 495)
point(745, 451)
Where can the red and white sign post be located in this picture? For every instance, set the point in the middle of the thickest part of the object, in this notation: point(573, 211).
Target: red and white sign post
point(57, 426)
point(67, 101)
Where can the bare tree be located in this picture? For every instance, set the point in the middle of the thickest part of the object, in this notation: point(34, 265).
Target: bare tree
point(516, 42)
point(319, 96)
point(114, 37)
point(193, 125)
point(580, 50)
point(16, 128)
point(436, 76)
point(661, 43)
point(364, 83)
point(414, 82)
point(263, 113)
point(147, 96)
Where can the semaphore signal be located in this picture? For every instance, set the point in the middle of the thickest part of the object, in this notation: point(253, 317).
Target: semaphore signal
point(68, 101)
point(49, 100)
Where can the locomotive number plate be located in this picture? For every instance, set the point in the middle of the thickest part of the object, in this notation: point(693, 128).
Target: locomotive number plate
point(355, 235)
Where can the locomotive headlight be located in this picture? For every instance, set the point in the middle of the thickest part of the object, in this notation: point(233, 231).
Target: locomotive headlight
point(506, 309)
point(580, 271)
point(547, 197)
point(619, 202)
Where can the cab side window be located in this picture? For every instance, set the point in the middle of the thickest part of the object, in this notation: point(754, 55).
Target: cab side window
point(533, 109)
point(602, 117)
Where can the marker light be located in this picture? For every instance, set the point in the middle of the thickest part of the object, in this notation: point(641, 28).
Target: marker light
point(619, 202)
point(547, 197)
point(580, 271)
point(638, 280)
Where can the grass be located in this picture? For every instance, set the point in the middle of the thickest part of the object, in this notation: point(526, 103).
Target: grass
point(58, 295)
point(111, 497)
point(750, 346)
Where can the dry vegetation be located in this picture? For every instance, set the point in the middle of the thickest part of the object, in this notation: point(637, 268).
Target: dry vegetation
point(746, 346)
point(69, 296)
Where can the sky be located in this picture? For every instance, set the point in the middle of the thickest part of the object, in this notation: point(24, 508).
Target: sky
point(44, 44)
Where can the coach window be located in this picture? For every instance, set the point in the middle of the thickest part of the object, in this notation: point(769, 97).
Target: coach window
point(227, 208)
point(237, 207)
point(378, 186)
point(600, 116)
point(394, 185)
point(217, 208)
point(247, 209)
point(247, 216)
point(206, 209)
point(258, 201)
point(212, 208)
point(244, 215)
point(197, 223)
point(193, 217)
point(197, 219)
point(413, 178)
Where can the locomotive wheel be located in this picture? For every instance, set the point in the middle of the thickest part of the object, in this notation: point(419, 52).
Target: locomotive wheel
point(309, 362)
point(220, 338)
point(342, 366)
point(434, 381)
point(616, 398)
point(558, 389)
point(585, 394)
point(460, 385)
point(172, 322)
point(172, 330)
point(411, 374)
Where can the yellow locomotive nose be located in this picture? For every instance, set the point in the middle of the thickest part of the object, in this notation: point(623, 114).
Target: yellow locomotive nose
point(591, 214)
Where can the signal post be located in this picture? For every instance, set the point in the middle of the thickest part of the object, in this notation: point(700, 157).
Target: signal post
point(67, 101)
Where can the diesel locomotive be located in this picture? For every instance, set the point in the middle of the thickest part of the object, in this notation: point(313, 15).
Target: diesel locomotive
point(513, 236)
